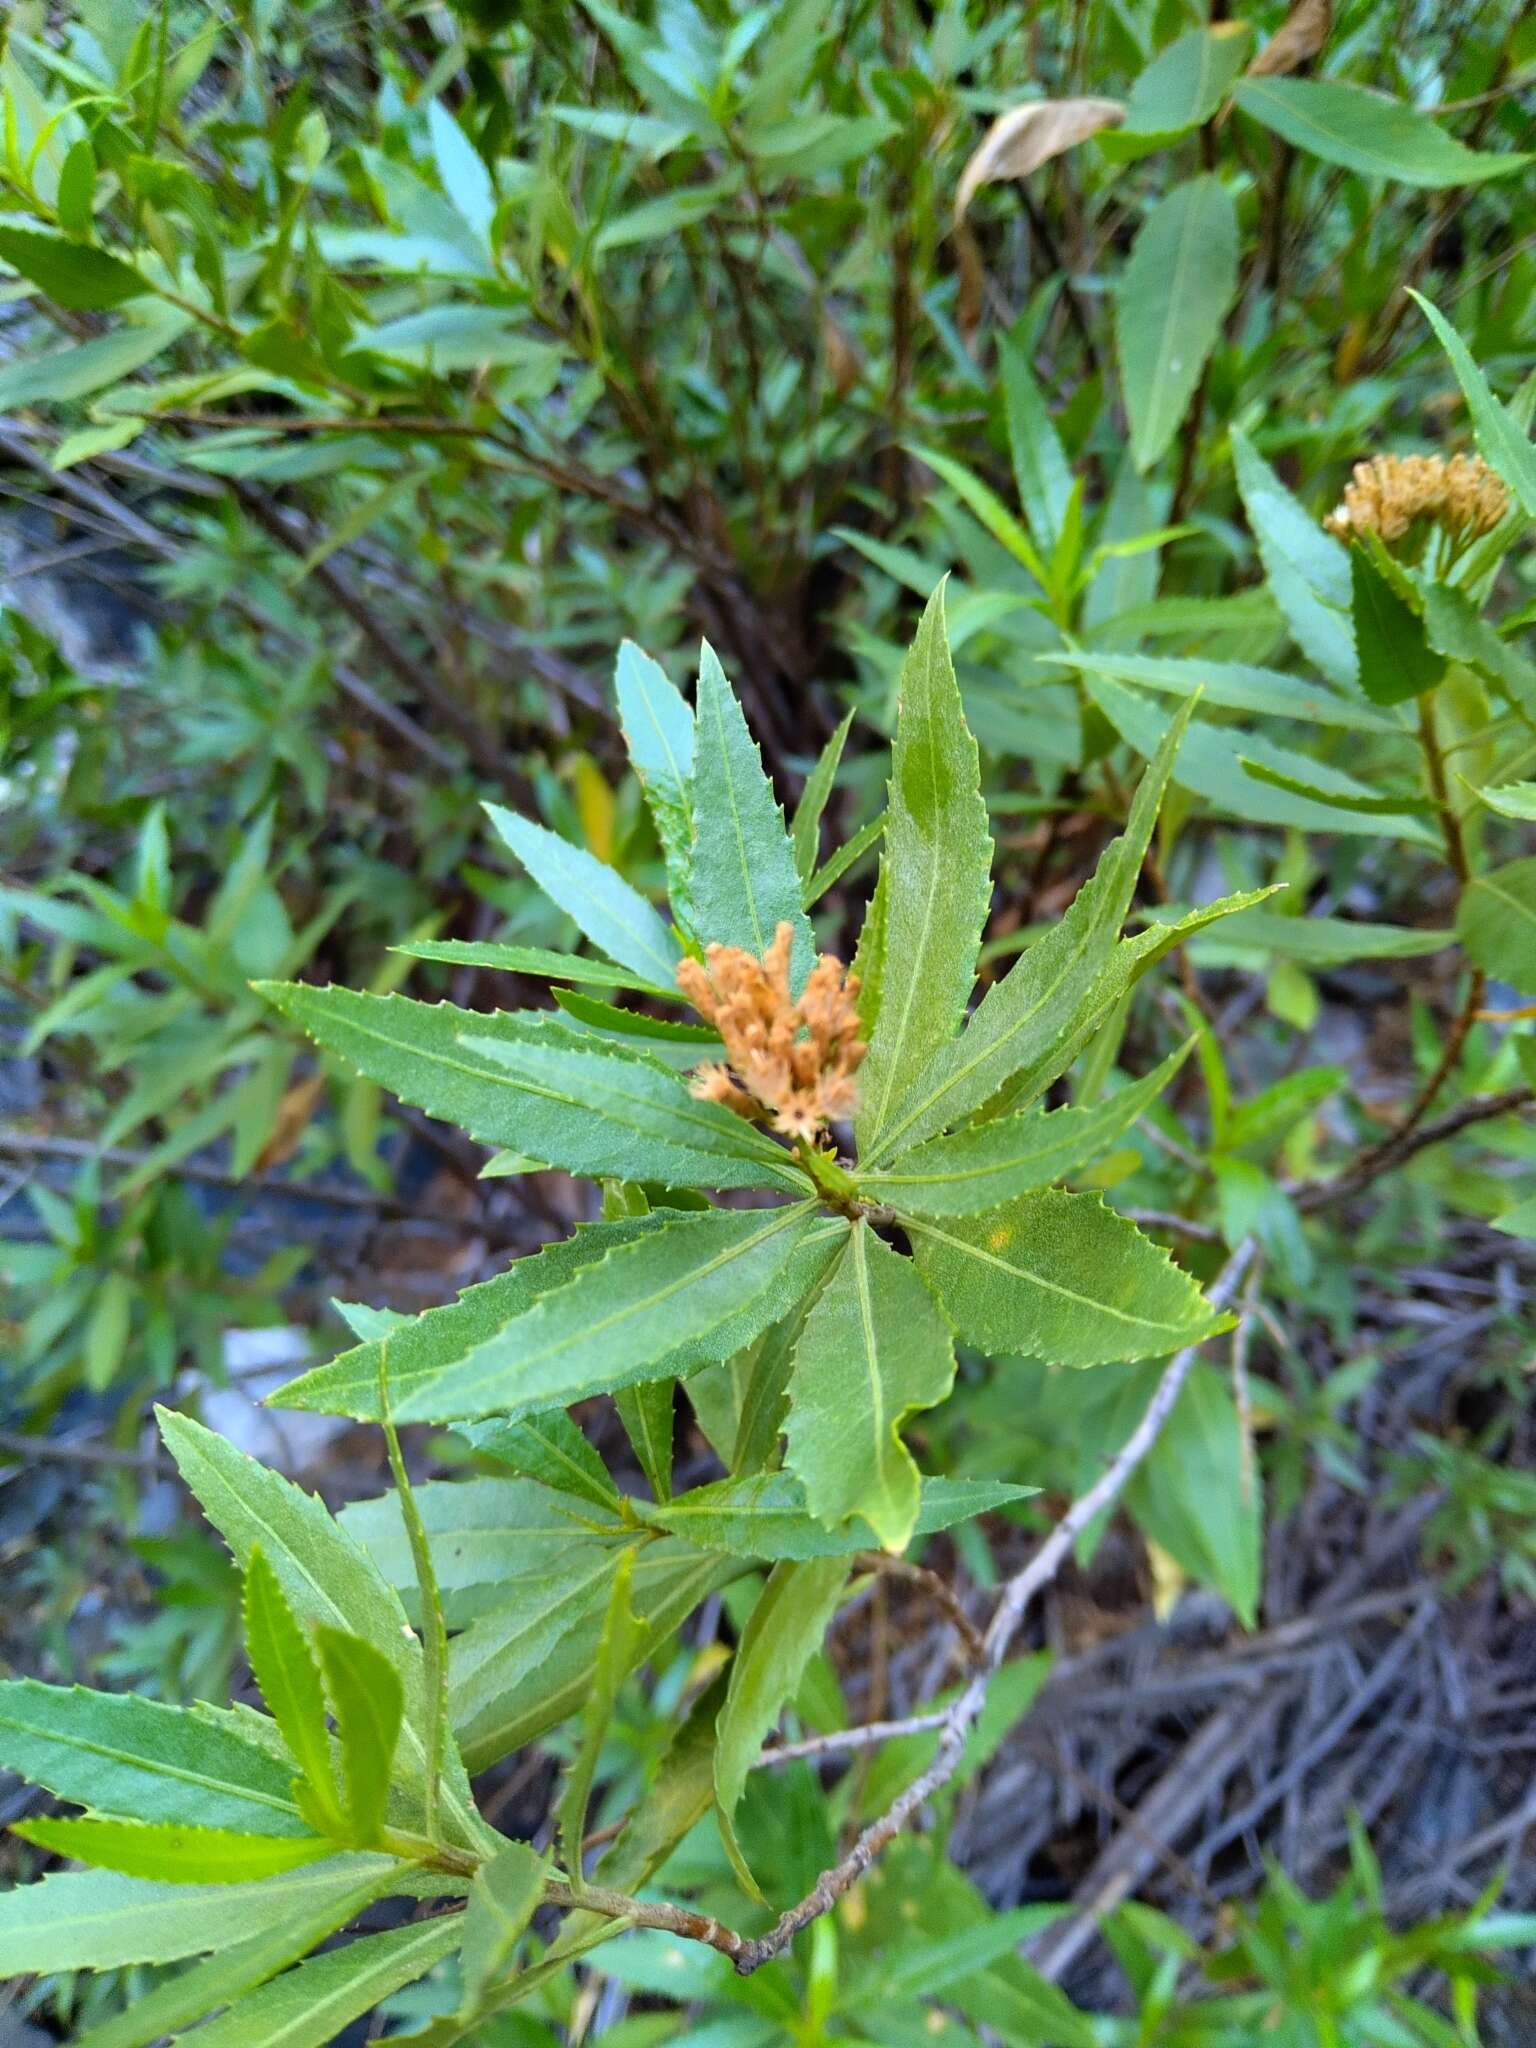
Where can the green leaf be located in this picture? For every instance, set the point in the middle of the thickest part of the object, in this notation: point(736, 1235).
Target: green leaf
point(936, 877)
point(537, 960)
point(1327, 941)
point(139, 1758)
point(783, 1633)
point(170, 1853)
point(608, 1115)
point(1511, 800)
point(1180, 279)
point(658, 731)
point(72, 274)
point(765, 1515)
point(1233, 686)
point(1040, 1001)
point(1216, 762)
point(502, 1533)
point(1040, 472)
point(1456, 629)
point(441, 1334)
point(990, 1162)
point(284, 1667)
point(417, 1051)
point(1180, 89)
point(837, 863)
point(805, 833)
point(1398, 804)
point(327, 1578)
point(369, 1701)
point(1496, 923)
point(926, 1969)
point(613, 1324)
point(193, 1993)
point(1396, 661)
point(1188, 1495)
point(1060, 1277)
point(68, 373)
point(100, 1920)
point(462, 170)
point(1307, 569)
point(617, 1651)
point(1505, 444)
point(316, 2003)
point(502, 1900)
point(615, 917)
point(874, 1350)
point(647, 1413)
point(988, 508)
point(1367, 132)
point(549, 1448)
point(744, 879)
point(529, 1666)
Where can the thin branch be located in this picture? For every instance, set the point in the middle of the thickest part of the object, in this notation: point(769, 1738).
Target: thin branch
point(938, 1589)
point(1395, 1150)
point(840, 1740)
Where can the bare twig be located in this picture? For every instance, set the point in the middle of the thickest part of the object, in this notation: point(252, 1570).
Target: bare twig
point(937, 1589)
point(838, 1741)
point(1406, 1142)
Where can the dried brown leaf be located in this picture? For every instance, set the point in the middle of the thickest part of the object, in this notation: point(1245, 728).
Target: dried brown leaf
point(1019, 141)
point(1296, 41)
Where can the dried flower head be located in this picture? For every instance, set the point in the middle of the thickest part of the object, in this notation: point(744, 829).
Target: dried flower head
point(1391, 493)
point(788, 1063)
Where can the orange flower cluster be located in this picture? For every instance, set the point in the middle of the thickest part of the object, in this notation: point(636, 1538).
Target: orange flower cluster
point(788, 1063)
point(1388, 494)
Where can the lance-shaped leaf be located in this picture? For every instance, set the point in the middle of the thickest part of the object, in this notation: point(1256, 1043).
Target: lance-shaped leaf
point(1060, 1277)
point(170, 1853)
point(502, 1900)
point(1177, 286)
point(610, 1326)
point(647, 1413)
point(1366, 131)
point(506, 1534)
point(284, 1667)
point(1506, 445)
point(549, 1448)
point(988, 1163)
point(765, 1515)
point(140, 1758)
point(1306, 568)
point(874, 1350)
point(935, 876)
point(100, 1920)
point(658, 731)
point(617, 1650)
point(315, 2004)
point(526, 1668)
point(1041, 996)
point(446, 1061)
point(426, 1343)
point(534, 960)
point(612, 1117)
point(615, 917)
point(194, 1993)
point(368, 1700)
point(805, 832)
point(327, 1578)
point(783, 1633)
point(440, 1334)
point(744, 880)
